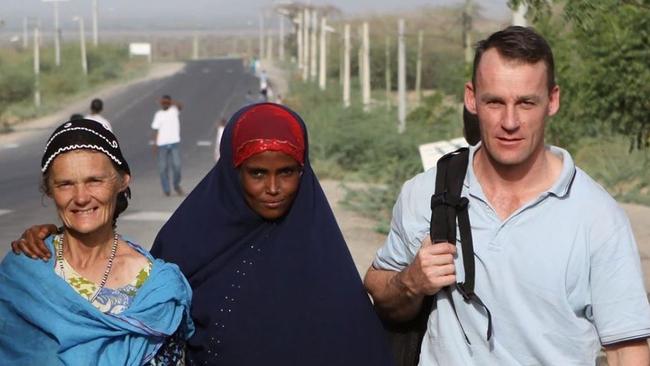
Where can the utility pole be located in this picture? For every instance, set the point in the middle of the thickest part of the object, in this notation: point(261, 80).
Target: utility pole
point(467, 29)
point(57, 31)
point(519, 15)
point(322, 77)
point(314, 44)
point(261, 35)
point(269, 48)
point(195, 46)
point(401, 78)
point(299, 32)
point(388, 73)
point(95, 26)
point(25, 34)
point(360, 59)
point(281, 43)
point(341, 62)
point(37, 69)
point(418, 70)
point(346, 66)
point(305, 44)
point(366, 68)
point(82, 41)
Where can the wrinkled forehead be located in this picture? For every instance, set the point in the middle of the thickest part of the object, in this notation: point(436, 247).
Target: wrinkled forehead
point(82, 162)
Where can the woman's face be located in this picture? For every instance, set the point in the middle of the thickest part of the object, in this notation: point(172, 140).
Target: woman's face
point(84, 186)
point(270, 181)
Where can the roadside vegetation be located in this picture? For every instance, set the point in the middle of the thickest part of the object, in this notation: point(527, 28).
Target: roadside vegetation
point(356, 146)
point(61, 84)
point(601, 62)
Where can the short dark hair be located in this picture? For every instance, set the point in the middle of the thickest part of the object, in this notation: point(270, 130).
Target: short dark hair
point(518, 43)
point(96, 105)
point(166, 96)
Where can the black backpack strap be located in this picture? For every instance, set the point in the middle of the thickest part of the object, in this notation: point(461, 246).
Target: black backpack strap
point(447, 206)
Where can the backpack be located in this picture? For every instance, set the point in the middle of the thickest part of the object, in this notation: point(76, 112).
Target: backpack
point(448, 207)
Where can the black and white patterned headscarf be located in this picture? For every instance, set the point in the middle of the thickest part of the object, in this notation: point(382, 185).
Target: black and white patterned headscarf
point(83, 134)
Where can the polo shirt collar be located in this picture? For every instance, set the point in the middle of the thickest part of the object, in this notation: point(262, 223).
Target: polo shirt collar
point(560, 188)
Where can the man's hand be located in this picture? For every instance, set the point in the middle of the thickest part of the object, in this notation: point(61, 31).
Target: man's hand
point(32, 244)
point(432, 269)
point(398, 296)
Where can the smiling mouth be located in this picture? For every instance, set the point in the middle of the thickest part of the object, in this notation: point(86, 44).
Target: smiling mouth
point(86, 211)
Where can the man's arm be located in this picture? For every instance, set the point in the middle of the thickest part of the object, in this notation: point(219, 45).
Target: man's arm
point(398, 295)
point(632, 353)
point(178, 104)
point(31, 242)
point(153, 142)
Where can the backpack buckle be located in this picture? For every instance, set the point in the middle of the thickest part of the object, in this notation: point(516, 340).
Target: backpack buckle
point(446, 199)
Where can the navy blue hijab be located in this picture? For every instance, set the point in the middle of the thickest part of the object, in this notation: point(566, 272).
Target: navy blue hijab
point(269, 293)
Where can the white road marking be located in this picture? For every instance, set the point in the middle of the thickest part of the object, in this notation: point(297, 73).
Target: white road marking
point(10, 146)
point(4, 212)
point(203, 143)
point(147, 216)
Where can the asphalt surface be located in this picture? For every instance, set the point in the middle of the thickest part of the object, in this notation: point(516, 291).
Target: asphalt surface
point(208, 89)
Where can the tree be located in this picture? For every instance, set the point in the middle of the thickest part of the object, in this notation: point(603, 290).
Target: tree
point(607, 47)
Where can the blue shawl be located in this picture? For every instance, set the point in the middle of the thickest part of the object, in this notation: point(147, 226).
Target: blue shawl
point(43, 321)
point(269, 293)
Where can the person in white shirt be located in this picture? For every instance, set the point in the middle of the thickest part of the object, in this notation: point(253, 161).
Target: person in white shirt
point(166, 140)
point(96, 107)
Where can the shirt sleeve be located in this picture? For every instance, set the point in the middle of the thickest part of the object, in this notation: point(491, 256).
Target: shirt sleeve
point(619, 302)
point(155, 124)
point(409, 224)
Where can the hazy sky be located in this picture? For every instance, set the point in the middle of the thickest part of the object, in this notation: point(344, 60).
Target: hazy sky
point(204, 13)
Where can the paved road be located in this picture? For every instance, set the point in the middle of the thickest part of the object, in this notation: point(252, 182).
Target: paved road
point(208, 89)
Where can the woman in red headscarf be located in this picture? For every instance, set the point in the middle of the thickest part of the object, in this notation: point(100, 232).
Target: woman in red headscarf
point(273, 280)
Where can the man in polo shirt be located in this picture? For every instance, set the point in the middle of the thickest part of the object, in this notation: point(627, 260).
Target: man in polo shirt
point(167, 137)
point(556, 261)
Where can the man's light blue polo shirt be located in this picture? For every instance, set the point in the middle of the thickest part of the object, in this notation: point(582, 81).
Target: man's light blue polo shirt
point(561, 275)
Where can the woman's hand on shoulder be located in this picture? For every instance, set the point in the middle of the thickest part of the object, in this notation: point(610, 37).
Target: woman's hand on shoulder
point(32, 243)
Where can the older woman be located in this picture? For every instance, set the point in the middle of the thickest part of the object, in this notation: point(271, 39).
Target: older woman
point(102, 300)
point(273, 280)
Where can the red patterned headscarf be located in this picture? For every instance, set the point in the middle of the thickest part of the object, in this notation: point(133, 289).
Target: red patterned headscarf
point(267, 127)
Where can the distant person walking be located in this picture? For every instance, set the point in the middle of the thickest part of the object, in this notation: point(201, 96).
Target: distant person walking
point(96, 107)
point(221, 126)
point(166, 141)
point(264, 85)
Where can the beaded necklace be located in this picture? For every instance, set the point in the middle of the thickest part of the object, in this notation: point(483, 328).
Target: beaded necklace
point(59, 258)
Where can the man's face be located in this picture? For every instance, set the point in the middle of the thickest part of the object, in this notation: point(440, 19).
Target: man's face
point(165, 103)
point(512, 101)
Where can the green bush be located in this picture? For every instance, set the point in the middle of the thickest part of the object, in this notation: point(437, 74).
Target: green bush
point(57, 83)
point(16, 84)
point(625, 173)
point(354, 145)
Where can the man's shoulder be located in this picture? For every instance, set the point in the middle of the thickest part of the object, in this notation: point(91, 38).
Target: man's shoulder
point(585, 187)
point(422, 184)
point(595, 203)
